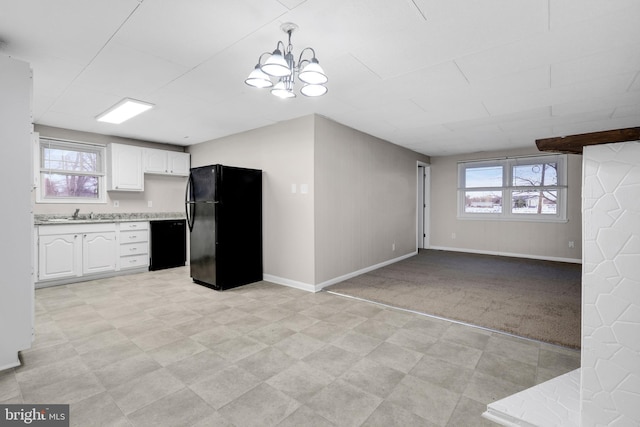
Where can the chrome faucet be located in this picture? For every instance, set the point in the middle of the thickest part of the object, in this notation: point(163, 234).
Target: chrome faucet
point(75, 214)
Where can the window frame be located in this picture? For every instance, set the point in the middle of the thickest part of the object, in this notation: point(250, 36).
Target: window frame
point(507, 188)
point(40, 170)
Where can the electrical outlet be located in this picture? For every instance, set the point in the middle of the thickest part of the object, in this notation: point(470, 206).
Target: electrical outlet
point(393, 246)
point(572, 244)
point(149, 204)
point(116, 203)
point(453, 235)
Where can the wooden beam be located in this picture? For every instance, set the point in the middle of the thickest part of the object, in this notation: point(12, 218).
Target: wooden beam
point(573, 144)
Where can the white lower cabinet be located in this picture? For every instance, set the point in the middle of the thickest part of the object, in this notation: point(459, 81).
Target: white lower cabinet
point(99, 252)
point(67, 252)
point(59, 256)
point(134, 245)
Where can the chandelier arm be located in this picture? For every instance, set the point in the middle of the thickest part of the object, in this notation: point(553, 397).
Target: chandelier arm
point(302, 52)
point(261, 56)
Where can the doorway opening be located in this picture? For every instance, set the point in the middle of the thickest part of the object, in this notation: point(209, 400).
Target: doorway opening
point(424, 177)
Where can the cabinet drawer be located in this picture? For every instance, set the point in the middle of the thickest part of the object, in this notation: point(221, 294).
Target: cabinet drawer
point(134, 261)
point(135, 225)
point(134, 236)
point(128, 249)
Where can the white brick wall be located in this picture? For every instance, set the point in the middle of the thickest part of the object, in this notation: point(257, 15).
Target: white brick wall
point(610, 371)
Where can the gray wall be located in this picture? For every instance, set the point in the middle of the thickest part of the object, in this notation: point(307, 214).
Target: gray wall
point(365, 201)
point(165, 192)
point(517, 238)
point(361, 197)
point(284, 151)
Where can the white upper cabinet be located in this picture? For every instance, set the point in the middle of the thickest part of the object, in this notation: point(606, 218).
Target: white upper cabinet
point(124, 168)
point(166, 162)
point(179, 163)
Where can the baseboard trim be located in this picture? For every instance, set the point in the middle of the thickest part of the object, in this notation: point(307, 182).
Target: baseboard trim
point(288, 282)
point(507, 254)
point(344, 277)
point(317, 288)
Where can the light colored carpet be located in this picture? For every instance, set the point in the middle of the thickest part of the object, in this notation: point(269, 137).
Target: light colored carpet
point(529, 298)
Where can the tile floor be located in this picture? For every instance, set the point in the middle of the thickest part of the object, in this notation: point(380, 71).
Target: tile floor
point(155, 349)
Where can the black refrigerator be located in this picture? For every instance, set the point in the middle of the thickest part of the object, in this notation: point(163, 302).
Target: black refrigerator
point(224, 215)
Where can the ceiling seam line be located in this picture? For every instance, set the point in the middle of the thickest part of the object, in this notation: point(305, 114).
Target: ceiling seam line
point(461, 72)
point(222, 50)
point(419, 10)
point(365, 66)
point(96, 55)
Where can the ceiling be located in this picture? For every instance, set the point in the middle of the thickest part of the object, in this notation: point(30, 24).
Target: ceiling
point(438, 77)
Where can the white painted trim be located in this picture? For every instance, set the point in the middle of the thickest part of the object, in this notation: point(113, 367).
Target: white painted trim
point(11, 364)
point(288, 282)
point(508, 254)
point(342, 278)
point(317, 288)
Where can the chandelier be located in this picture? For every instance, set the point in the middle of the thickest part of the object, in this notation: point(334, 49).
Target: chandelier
point(281, 65)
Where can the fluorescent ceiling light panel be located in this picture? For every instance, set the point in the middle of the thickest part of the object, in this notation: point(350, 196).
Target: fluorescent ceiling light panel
point(124, 110)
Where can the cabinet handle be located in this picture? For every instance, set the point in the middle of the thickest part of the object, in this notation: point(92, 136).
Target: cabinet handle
point(133, 249)
point(133, 237)
point(75, 236)
point(133, 226)
point(133, 261)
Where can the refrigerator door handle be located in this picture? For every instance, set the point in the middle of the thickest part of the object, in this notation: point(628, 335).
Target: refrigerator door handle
point(188, 204)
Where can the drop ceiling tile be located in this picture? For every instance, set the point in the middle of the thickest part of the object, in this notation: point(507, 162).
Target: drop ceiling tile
point(595, 126)
point(601, 64)
point(291, 4)
point(565, 12)
point(635, 86)
point(463, 32)
point(569, 93)
point(191, 33)
point(66, 29)
point(524, 81)
point(570, 42)
point(84, 101)
point(121, 70)
point(595, 115)
point(515, 118)
point(628, 111)
point(609, 101)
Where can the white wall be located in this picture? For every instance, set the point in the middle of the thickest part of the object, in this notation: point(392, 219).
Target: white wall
point(165, 192)
point(16, 262)
point(610, 365)
point(284, 151)
point(534, 239)
point(365, 201)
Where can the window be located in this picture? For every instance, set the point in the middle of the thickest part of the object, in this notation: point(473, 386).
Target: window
point(520, 188)
point(70, 172)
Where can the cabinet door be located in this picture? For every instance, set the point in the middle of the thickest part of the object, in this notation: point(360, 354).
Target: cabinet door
point(59, 256)
point(179, 163)
point(125, 168)
point(155, 161)
point(99, 251)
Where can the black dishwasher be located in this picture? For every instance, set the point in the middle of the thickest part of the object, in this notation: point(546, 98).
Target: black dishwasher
point(168, 244)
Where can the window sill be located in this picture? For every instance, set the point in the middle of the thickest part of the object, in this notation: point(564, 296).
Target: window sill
point(511, 219)
point(70, 201)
